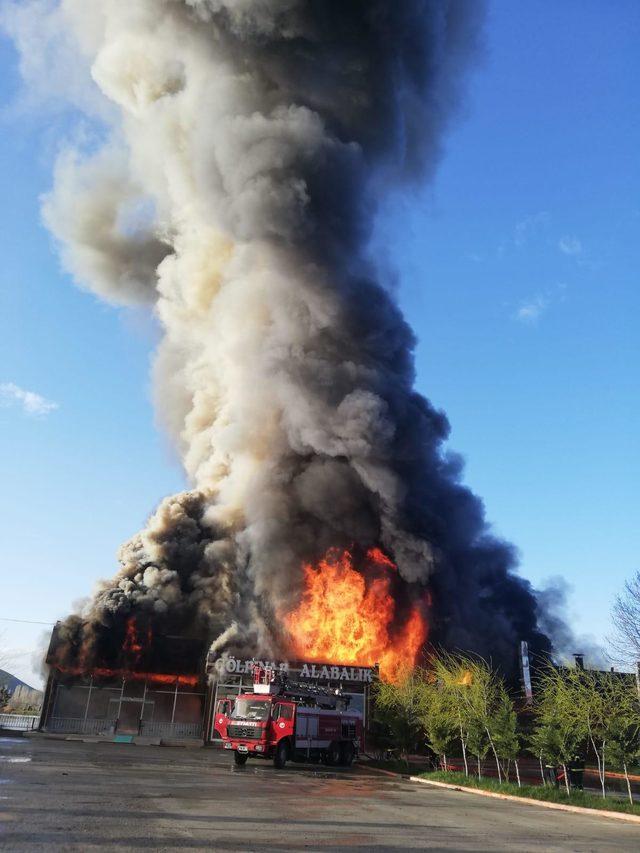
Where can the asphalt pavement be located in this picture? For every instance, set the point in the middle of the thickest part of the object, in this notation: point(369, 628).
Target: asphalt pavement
point(72, 796)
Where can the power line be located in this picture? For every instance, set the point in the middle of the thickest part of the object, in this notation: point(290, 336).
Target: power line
point(24, 621)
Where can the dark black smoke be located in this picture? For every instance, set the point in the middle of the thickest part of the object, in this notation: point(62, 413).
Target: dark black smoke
point(262, 133)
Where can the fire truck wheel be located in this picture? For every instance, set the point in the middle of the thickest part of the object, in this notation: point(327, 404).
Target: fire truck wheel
point(240, 758)
point(333, 754)
point(281, 755)
point(347, 754)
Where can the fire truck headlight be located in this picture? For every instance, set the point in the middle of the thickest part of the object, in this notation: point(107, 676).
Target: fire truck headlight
point(258, 748)
point(227, 745)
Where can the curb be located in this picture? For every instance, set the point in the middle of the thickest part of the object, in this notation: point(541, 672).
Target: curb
point(380, 770)
point(631, 818)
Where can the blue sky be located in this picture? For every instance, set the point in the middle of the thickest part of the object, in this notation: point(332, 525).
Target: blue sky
point(518, 268)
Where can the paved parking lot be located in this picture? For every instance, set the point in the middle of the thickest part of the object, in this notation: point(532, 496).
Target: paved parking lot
point(61, 795)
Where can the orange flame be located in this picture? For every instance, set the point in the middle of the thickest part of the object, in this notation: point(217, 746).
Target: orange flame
point(133, 645)
point(376, 555)
point(346, 618)
point(466, 679)
point(129, 675)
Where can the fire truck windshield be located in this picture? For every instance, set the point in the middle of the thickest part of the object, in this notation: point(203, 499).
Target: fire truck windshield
point(251, 709)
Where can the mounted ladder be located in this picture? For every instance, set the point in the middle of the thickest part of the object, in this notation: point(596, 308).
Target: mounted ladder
point(268, 681)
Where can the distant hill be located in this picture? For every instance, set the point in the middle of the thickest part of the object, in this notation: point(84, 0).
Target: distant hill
point(21, 695)
point(11, 682)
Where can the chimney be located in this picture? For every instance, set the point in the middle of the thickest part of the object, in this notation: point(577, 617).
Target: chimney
point(579, 659)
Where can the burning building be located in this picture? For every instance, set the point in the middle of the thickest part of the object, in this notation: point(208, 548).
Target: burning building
point(137, 686)
point(241, 147)
point(133, 683)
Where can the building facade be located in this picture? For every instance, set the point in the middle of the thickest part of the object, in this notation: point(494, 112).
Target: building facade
point(170, 693)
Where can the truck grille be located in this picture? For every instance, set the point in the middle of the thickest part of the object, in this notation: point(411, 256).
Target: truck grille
point(244, 732)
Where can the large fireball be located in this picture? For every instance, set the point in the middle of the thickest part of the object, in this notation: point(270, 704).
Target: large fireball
point(349, 617)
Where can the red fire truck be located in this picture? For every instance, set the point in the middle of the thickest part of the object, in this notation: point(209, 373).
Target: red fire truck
point(284, 720)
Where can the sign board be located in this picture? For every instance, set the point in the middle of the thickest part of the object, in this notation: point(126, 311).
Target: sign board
point(302, 670)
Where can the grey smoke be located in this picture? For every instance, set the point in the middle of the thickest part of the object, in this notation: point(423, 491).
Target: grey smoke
point(553, 600)
point(244, 147)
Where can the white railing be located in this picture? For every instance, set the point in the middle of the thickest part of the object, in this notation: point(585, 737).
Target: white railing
point(19, 722)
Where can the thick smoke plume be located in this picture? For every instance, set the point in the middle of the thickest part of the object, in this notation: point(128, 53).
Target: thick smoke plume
point(244, 144)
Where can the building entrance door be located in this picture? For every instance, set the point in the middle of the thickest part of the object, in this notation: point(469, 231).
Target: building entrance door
point(130, 716)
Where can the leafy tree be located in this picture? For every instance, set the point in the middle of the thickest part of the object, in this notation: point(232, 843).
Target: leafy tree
point(560, 729)
point(537, 745)
point(624, 727)
point(624, 748)
point(625, 640)
point(452, 675)
point(483, 701)
point(478, 743)
point(481, 709)
point(504, 728)
point(559, 745)
point(440, 721)
point(4, 690)
point(595, 699)
point(403, 705)
point(477, 698)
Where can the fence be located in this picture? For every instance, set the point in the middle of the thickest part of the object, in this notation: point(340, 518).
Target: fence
point(19, 722)
point(171, 729)
point(80, 726)
point(77, 725)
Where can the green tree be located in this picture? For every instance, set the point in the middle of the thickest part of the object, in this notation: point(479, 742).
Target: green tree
point(440, 721)
point(451, 673)
point(624, 748)
point(478, 743)
point(625, 616)
point(477, 701)
point(594, 700)
point(624, 728)
point(536, 744)
point(560, 728)
point(402, 705)
point(482, 698)
point(504, 729)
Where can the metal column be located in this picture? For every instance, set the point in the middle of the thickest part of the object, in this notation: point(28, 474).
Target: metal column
point(86, 710)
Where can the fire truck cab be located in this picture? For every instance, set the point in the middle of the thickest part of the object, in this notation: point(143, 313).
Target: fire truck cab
point(283, 720)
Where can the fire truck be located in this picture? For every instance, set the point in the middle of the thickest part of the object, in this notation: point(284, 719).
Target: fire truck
point(284, 720)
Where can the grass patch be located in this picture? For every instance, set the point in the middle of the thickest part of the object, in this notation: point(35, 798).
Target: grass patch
point(535, 792)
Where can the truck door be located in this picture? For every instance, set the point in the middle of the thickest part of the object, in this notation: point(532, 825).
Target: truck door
point(282, 721)
point(221, 717)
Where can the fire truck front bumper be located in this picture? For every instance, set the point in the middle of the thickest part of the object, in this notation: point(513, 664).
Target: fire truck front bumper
point(246, 746)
